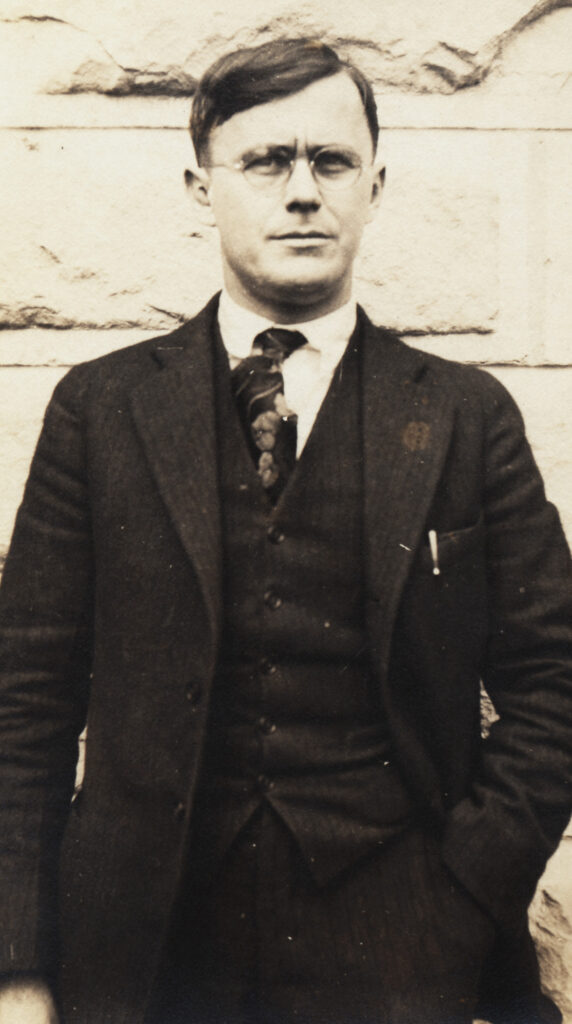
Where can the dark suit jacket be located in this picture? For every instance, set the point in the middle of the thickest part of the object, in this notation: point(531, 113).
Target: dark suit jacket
point(112, 609)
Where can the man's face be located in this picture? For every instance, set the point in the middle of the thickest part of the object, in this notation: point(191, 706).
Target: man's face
point(290, 250)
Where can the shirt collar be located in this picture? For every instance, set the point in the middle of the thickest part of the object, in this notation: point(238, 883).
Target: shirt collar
point(327, 334)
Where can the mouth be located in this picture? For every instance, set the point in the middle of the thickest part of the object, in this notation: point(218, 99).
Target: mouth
point(304, 241)
point(303, 235)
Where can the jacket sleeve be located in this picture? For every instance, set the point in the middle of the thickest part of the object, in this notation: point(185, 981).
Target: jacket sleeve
point(45, 644)
point(498, 839)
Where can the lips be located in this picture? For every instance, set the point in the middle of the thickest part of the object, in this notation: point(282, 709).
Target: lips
point(302, 235)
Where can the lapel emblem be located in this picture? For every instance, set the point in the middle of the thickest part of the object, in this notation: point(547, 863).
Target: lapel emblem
point(416, 436)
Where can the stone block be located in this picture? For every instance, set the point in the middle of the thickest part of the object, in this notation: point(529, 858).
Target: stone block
point(46, 55)
point(437, 48)
point(430, 259)
point(536, 54)
point(551, 926)
point(100, 233)
point(57, 348)
point(535, 191)
point(470, 241)
point(471, 238)
point(556, 246)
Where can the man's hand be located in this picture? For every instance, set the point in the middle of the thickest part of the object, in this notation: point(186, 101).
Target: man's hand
point(26, 1001)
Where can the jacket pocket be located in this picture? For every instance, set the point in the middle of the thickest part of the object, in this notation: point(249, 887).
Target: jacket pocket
point(451, 547)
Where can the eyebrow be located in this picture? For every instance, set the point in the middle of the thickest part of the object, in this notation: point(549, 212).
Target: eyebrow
point(282, 147)
point(268, 147)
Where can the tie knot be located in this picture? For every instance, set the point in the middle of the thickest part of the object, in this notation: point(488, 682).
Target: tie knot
point(278, 343)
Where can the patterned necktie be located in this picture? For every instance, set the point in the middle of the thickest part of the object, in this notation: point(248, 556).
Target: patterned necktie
point(268, 423)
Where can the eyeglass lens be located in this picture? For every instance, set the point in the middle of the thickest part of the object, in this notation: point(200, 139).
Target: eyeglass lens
point(332, 166)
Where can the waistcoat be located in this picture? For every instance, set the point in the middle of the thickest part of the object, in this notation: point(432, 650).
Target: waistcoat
point(295, 718)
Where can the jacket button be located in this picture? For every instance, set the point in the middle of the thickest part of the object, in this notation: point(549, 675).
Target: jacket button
point(272, 600)
point(179, 812)
point(266, 726)
point(193, 694)
point(275, 535)
point(267, 667)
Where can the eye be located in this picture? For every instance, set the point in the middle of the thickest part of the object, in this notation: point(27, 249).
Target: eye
point(267, 163)
point(333, 162)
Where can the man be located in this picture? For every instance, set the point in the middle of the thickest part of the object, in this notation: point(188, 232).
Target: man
point(267, 560)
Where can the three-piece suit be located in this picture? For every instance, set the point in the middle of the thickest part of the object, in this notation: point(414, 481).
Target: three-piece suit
point(319, 657)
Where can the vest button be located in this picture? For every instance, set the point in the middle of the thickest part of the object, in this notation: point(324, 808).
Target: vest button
point(275, 535)
point(267, 667)
point(272, 600)
point(266, 726)
point(264, 783)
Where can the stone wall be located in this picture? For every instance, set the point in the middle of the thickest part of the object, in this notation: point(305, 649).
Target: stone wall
point(470, 256)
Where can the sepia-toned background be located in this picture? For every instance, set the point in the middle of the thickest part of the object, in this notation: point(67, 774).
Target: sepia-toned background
point(470, 257)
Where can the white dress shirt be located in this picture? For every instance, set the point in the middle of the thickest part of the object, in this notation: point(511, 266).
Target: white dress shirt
point(309, 370)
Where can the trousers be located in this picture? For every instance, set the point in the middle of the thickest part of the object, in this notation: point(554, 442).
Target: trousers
point(393, 940)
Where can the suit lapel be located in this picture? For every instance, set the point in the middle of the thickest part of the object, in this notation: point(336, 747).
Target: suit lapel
point(407, 421)
point(174, 412)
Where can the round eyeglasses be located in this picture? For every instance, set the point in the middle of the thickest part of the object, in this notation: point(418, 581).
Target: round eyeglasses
point(333, 167)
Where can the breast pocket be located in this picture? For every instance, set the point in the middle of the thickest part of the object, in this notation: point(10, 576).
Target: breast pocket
point(443, 615)
point(455, 548)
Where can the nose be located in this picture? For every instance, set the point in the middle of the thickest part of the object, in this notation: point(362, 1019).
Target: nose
point(301, 188)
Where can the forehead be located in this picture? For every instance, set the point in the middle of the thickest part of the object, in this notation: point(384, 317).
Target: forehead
point(327, 111)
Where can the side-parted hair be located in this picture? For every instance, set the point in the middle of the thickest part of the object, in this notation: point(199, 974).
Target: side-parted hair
point(255, 75)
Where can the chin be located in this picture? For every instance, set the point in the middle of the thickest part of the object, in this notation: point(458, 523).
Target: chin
point(303, 291)
point(307, 281)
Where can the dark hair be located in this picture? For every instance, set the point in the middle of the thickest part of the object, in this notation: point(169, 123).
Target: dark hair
point(252, 76)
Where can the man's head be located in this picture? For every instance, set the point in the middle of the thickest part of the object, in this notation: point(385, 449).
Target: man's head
point(285, 136)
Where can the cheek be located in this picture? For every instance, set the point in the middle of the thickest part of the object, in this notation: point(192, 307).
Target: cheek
point(351, 230)
point(240, 230)
point(351, 214)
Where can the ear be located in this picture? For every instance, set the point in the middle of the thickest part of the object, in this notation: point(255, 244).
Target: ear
point(197, 183)
point(376, 191)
